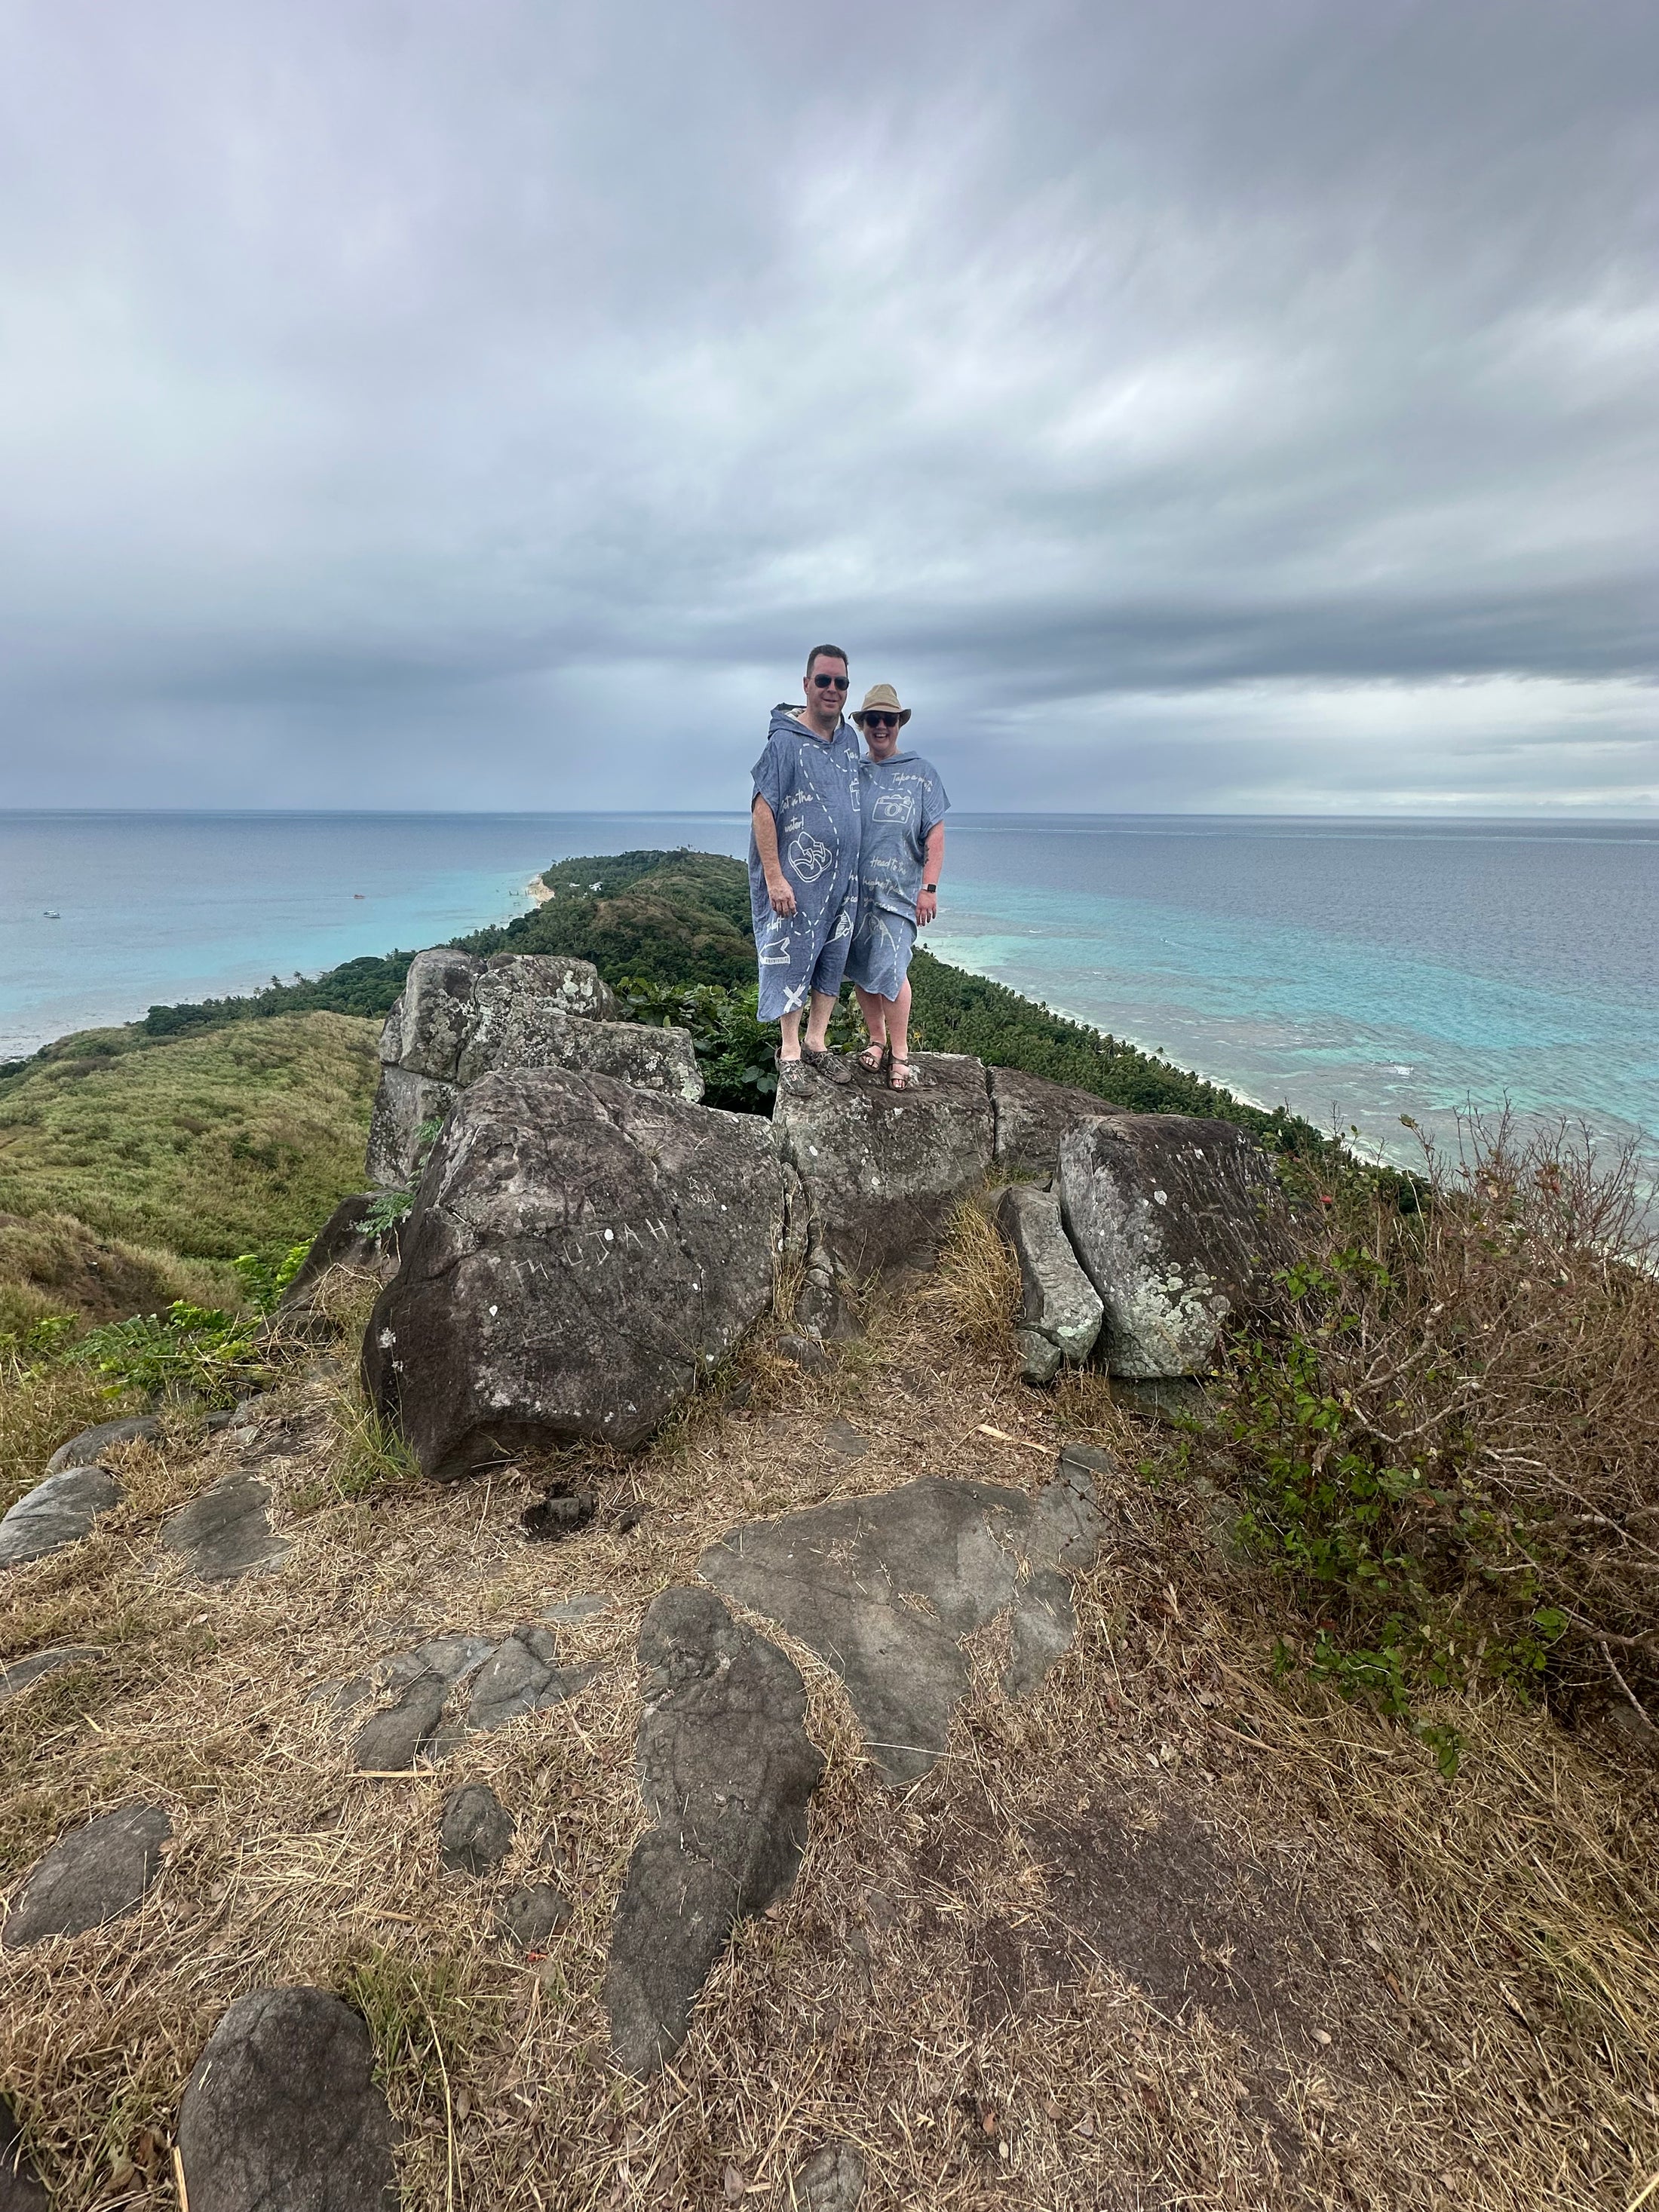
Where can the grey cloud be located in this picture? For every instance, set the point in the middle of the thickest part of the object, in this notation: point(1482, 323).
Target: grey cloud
point(484, 407)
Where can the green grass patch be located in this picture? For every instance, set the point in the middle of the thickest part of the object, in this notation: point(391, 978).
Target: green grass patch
point(235, 1139)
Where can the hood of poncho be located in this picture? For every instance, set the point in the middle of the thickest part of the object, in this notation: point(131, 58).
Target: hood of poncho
point(789, 717)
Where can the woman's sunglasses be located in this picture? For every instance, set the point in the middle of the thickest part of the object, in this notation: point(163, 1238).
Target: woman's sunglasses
point(881, 721)
point(831, 682)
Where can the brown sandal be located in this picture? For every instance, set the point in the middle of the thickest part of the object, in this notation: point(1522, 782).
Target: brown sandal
point(901, 1076)
point(882, 1052)
point(829, 1065)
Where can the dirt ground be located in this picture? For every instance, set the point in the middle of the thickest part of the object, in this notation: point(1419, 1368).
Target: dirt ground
point(1168, 1933)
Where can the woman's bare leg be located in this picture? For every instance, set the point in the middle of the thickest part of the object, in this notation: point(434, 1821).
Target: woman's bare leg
point(874, 1011)
point(896, 1013)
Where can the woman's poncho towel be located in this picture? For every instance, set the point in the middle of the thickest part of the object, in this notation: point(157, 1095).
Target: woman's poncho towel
point(811, 786)
point(902, 802)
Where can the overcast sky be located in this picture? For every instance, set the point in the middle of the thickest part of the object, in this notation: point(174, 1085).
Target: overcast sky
point(1198, 405)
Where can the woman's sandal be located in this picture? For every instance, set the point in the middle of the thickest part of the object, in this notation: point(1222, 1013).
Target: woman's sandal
point(874, 1057)
point(829, 1065)
point(901, 1076)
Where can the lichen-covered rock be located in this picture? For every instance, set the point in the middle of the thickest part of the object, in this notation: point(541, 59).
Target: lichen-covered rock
point(58, 1511)
point(1060, 1312)
point(95, 1874)
point(881, 1172)
point(423, 1032)
point(409, 1110)
point(1032, 1114)
point(579, 1252)
point(845, 1579)
point(1177, 1222)
point(282, 2112)
point(726, 1769)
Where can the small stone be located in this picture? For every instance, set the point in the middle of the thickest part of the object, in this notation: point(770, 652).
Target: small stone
point(571, 1610)
point(390, 1742)
point(20, 2188)
point(283, 2110)
point(224, 1533)
point(478, 1830)
point(804, 1352)
point(95, 1874)
point(57, 1512)
point(561, 1513)
point(17, 1676)
point(627, 1517)
point(530, 1916)
point(830, 2180)
point(522, 1675)
point(86, 1448)
point(841, 1438)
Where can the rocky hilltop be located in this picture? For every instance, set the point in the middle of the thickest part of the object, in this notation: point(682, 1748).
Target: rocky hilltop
point(726, 1662)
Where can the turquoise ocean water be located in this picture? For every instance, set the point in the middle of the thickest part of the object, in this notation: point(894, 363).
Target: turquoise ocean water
point(1357, 970)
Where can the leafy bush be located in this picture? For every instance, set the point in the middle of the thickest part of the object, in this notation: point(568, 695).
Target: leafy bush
point(189, 1352)
point(264, 1280)
point(1449, 1432)
point(736, 1051)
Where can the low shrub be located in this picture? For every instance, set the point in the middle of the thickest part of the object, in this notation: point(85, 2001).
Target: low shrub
point(737, 1053)
point(1447, 1431)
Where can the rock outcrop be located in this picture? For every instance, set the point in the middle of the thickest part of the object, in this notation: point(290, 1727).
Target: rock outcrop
point(461, 1018)
point(96, 1874)
point(58, 1511)
point(581, 1251)
point(880, 1172)
point(449, 1687)
point(1061, 1311)
point(283, 2110)
point(726, 1768)
point(1032, 1114)
point(884, 1589)
point(1177, 1223)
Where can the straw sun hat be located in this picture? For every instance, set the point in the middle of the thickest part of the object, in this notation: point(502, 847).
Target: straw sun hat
point(883, 696)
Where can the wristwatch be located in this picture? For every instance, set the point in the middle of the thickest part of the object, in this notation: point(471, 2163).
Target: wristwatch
point(930, 887)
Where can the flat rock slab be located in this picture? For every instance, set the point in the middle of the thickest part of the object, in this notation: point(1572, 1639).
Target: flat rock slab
point(726, 1769)
point(89, 1447)
point(1061, 1311)
point(1032, 1114)
point(58, 1511)
point(881, 1172)
point(1177, 1222)
point(93, 1875)
point(830, 2180)
point(451, 1687)
point(282, 2114)
point(477, 1830)
point(884, 1589)
point(578, 1253)
point(20, 2188)
point(224, 1533)
point(15, 1676)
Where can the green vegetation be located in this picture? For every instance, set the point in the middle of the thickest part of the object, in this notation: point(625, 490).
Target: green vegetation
point(1447, 1434)
point(212, 1144)
point(736, 1051)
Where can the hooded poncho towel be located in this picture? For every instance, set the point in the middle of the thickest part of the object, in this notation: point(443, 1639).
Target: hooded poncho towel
point(902, 802)
point(811, 784)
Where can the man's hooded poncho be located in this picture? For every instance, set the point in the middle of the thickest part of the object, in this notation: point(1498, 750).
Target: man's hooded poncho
point(811, 784)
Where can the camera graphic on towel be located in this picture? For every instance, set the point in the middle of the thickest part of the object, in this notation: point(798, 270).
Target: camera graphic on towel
point(892, 807)
point(808, 857)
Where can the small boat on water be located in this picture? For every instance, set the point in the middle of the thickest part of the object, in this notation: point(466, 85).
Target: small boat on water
point(50, 914)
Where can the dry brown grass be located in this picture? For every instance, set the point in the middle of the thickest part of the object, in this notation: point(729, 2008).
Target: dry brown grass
point(967, 1979)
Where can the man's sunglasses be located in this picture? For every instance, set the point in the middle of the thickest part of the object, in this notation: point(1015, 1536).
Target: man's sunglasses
point(830, 683)
point(881, 721)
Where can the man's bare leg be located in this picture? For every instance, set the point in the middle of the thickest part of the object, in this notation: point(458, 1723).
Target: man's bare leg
point(789, 1025)
point(874, 1011)
point(818, 1022)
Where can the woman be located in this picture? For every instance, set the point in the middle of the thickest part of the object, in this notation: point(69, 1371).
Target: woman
point(902, 806)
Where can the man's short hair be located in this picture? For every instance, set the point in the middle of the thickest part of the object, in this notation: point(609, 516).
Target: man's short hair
point(825, 653)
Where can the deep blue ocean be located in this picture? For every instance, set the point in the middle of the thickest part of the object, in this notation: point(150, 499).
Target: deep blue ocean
point(1357, 970)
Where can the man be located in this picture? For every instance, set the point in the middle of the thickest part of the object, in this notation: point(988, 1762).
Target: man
point(803, 866)
point(902, 852)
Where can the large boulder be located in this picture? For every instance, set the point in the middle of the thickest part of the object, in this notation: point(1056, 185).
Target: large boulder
point(726, 1768)
point(1177, 1223)
point(1060, 1312)
point(579, 1252)
point(881, 1172)
point(461, 1018)
point(885, 1590)
point(1032, 1114)
point(283, 2111)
